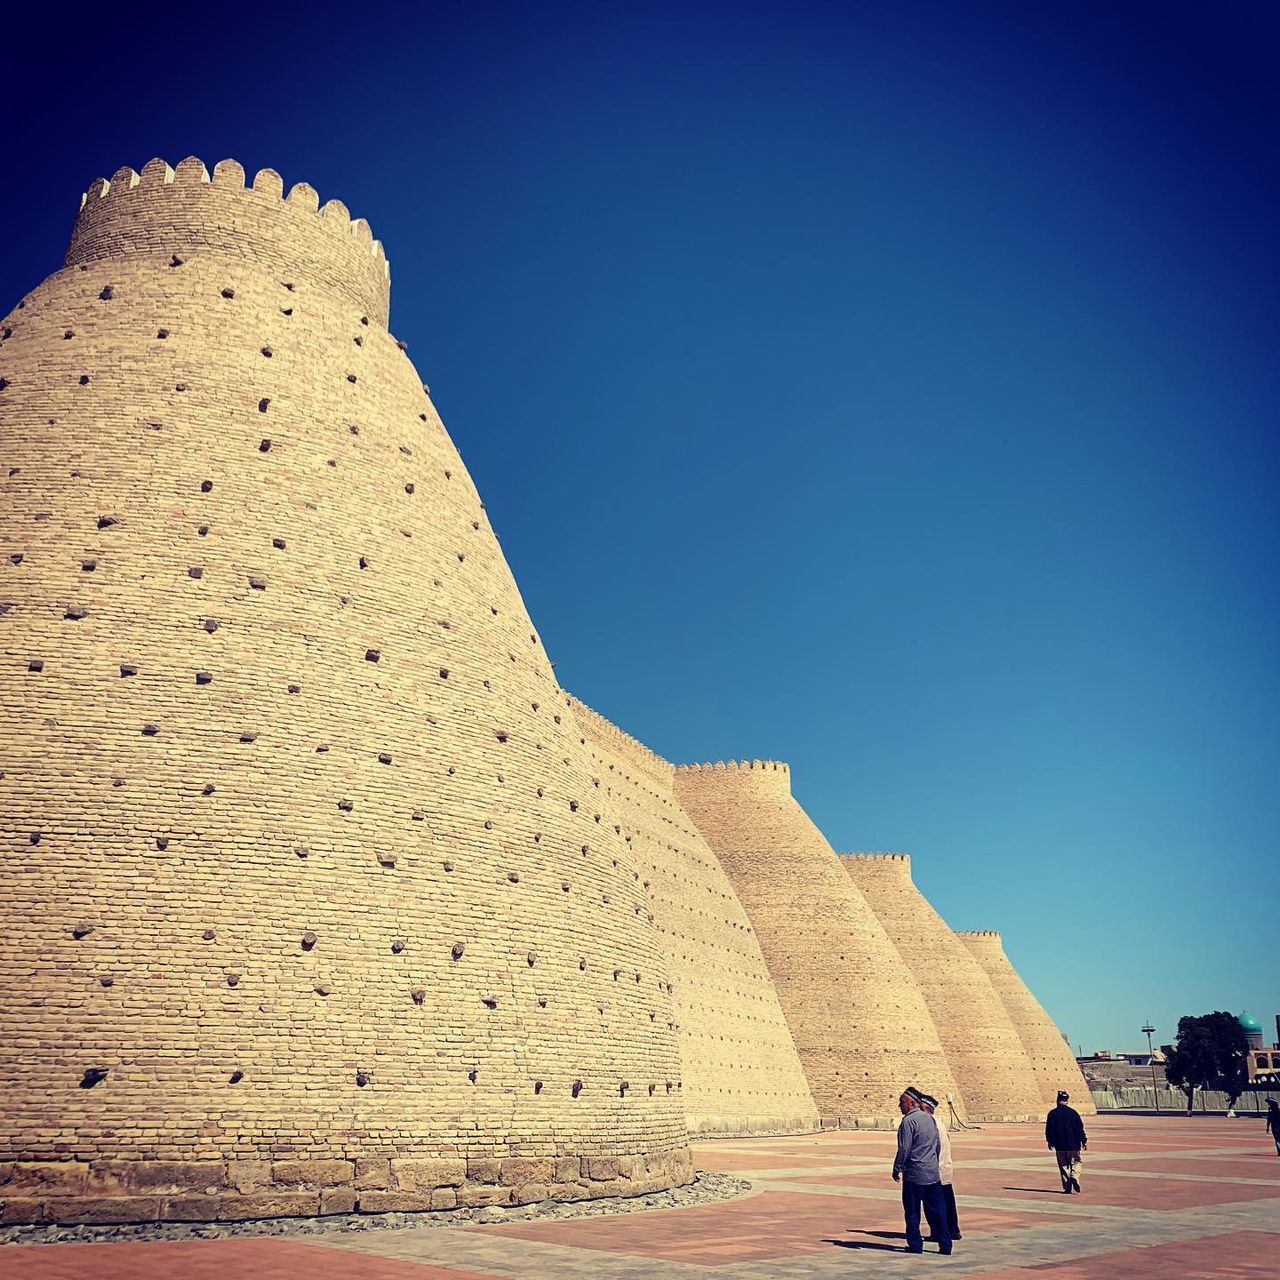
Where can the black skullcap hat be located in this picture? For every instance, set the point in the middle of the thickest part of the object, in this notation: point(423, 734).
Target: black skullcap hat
point(928, 1099)
point(912, 1092)
point(1063, 1095)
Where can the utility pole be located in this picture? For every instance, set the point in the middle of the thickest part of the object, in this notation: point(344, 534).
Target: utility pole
point(1149, 1031)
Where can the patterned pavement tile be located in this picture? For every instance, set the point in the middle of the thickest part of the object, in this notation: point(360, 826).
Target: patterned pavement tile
point(774, 1224)
point(1239, 1255)
point(1114, 1190)
point(1194, 1166)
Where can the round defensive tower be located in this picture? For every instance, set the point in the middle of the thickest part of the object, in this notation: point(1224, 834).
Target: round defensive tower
point(307, 903)
point(856, 1013)
point(981, 1043)
point(1051, 1057)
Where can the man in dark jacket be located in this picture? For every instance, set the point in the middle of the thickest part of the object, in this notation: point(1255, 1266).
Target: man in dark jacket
point(1064, 1132)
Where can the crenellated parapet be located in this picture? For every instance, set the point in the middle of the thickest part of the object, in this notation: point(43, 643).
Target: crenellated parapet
point(867, 868)
point(179, 212)
point(979, 933)
point(771, 765)
point(737, 777)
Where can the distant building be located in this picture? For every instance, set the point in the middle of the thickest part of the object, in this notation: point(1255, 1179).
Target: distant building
point(1138, 1058)
point(1252, 1030)
point(1264, 1062)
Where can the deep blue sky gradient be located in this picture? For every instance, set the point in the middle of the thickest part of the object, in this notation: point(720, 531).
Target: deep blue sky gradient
point(890, 389)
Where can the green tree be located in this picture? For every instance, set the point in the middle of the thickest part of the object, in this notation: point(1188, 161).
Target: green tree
point(1211, 1053)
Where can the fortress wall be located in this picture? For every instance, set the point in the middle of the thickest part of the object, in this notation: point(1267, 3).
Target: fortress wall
point(981, 1045)
point(305, 904)
point(858, 1017)
point(1051, 1057)
point(741, 1071)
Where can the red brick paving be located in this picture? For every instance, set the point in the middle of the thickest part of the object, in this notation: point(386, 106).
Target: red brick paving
point(242, 1259)
point(1239, 1255)
point(774, 1224)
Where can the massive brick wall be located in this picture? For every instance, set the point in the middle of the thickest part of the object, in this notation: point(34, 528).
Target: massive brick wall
point(306, 906)
point(1051, 1057)
point(981, 1045)
point(854, 1008)
point(739, 1064)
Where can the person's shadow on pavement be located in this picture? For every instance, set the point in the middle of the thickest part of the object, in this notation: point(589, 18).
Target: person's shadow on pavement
point(864, 1244)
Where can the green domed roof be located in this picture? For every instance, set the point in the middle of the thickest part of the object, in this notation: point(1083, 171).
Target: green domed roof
point(1249, 1022)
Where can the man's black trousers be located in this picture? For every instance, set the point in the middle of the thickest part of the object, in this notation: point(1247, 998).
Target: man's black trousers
point(929, 1195)
point(953, 1219)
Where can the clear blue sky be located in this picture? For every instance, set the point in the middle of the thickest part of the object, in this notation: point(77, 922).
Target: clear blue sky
point(887, 388)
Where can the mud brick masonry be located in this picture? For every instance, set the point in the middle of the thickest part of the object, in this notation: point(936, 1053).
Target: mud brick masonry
point(320, 894)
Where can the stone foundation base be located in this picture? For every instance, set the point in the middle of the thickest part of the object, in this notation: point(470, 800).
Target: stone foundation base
point(749, 1126)
point(858, 1122)
point(891, 1122)
point(68, 1192)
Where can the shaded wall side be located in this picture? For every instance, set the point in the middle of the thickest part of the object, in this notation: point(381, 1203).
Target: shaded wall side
point(741, 1071)
point(1054, 1064)
point(855, 1011)
point(981, 1044)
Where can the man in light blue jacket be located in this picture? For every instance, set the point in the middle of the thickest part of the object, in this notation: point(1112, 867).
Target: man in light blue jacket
point(916, 1165)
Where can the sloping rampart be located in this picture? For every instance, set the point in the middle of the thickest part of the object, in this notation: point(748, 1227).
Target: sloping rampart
point(739, 1064)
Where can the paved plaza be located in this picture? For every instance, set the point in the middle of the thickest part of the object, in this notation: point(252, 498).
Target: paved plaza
point(1171, 1197)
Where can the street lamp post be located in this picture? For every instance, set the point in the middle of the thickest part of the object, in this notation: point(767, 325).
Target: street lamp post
point(1148, 1031)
